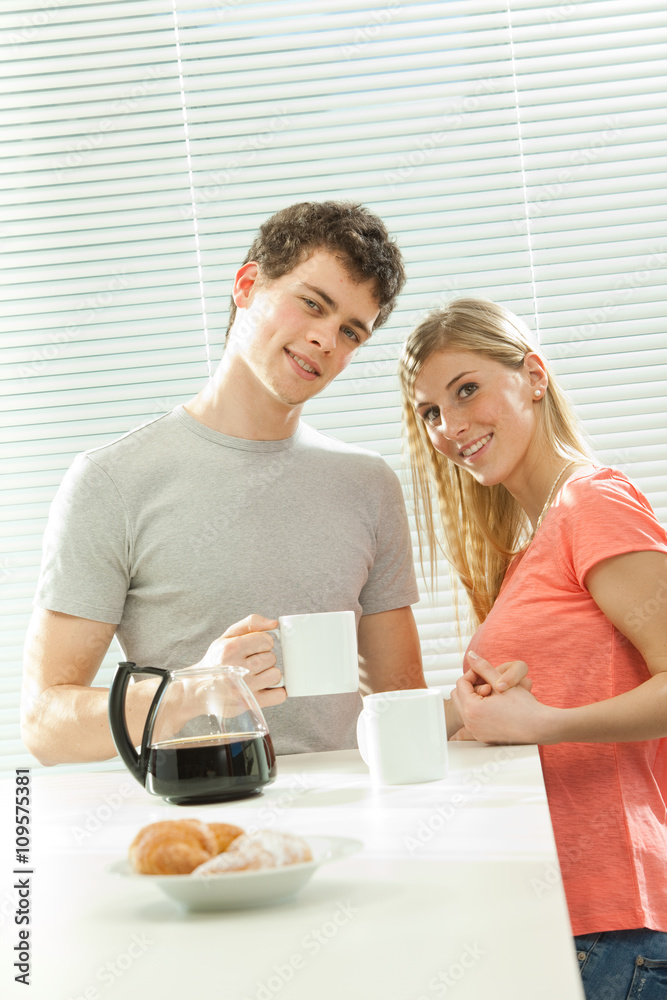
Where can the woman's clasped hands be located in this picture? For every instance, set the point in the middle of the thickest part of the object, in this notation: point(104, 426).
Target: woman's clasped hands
point(495, 704)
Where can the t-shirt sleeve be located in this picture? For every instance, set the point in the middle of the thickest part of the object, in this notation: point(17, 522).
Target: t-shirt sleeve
point(607, 516)
point(391, 583)
point(85, 567)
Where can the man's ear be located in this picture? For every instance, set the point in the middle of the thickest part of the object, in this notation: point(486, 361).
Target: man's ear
point(245, 283)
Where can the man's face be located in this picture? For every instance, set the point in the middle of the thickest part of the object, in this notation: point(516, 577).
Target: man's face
point(297, 332)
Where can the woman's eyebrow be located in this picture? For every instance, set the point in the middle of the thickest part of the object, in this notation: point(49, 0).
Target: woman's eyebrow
point(462, 375)
point(448, 386)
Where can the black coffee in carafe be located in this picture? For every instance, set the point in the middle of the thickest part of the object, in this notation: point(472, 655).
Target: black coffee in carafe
point(205, 738)
point(213, 768)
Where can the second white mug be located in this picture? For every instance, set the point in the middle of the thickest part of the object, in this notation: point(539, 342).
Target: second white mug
point(402, 736)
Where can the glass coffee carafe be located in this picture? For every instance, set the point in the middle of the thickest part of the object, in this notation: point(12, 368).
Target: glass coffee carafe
point(205, 738)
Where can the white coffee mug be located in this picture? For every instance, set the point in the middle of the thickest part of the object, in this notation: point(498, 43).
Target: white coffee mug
point(402, 736)
point(318, 653)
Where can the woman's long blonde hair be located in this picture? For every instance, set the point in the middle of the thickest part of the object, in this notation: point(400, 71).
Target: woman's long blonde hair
point(482, 527)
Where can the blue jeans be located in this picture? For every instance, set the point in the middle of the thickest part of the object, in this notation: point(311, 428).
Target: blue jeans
point(623, 965)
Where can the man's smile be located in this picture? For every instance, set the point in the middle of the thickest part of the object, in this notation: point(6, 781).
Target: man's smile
point(306, 366)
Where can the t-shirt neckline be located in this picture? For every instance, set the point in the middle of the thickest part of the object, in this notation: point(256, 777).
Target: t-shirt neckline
point(227, 441)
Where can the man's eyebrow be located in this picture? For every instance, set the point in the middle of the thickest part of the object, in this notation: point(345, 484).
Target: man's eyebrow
point(334, 305)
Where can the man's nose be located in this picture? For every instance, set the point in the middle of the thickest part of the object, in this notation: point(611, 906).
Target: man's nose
point(325, 335)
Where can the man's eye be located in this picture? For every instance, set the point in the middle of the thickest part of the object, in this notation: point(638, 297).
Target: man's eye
point(350, 334)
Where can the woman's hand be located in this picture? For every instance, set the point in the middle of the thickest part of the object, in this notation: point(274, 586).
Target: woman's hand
point(498, 679)
point(485, 681)
point(509, 715)
point(248, 644)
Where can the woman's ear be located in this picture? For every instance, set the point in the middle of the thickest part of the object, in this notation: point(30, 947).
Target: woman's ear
point(536, 373)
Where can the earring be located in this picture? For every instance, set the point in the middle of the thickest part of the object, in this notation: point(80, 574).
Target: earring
point(537, 393)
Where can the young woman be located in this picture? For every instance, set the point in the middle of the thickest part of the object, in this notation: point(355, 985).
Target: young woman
point(565, 566)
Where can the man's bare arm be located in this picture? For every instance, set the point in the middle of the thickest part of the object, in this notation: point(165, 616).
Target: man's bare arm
point(63, 718)
point(389, 652)
point(390, 657)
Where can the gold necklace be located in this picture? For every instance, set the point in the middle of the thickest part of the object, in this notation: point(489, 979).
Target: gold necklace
point(549, 499)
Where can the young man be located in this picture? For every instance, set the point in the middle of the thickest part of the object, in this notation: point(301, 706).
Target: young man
point(171, 534)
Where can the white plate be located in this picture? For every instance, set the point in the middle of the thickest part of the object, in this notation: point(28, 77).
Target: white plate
point(238, 890)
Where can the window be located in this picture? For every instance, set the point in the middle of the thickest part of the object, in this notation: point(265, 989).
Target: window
point(516, 152)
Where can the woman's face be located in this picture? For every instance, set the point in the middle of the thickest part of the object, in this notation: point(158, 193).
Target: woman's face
point(481, 414)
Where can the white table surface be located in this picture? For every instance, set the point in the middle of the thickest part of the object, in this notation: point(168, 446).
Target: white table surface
point(456, 892)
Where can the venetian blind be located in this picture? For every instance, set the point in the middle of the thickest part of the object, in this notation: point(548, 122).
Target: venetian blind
point(516, 151)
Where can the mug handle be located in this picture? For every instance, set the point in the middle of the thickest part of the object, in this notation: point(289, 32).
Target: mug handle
point(362, 739)
point(275, 632)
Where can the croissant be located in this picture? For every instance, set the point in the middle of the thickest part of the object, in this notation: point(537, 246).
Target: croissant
point(172, 847)
point(262, 849)
point(224, 834)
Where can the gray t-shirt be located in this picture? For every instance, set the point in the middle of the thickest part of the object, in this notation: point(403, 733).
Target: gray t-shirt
point(175, 531)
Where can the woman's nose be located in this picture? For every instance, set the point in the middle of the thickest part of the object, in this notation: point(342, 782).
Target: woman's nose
point(451, 425)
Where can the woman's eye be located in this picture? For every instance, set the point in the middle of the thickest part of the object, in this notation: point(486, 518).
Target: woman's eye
point(466, 390)
point(432, 415)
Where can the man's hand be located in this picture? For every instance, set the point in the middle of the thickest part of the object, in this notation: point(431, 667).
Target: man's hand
point(248, 644)
point(64, 719)
point(507, 715)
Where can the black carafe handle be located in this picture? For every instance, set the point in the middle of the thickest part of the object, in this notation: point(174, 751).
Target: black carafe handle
point(135, 762)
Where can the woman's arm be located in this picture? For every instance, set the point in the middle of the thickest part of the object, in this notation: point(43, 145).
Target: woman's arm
point(631, 590)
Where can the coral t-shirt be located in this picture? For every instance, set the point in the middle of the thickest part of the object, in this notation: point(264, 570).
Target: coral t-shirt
point(607, 800)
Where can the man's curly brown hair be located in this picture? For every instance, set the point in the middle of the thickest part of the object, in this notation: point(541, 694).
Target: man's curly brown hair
point(350, 232)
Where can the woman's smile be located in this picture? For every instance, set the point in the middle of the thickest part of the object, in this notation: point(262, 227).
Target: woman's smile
point(472, 450)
